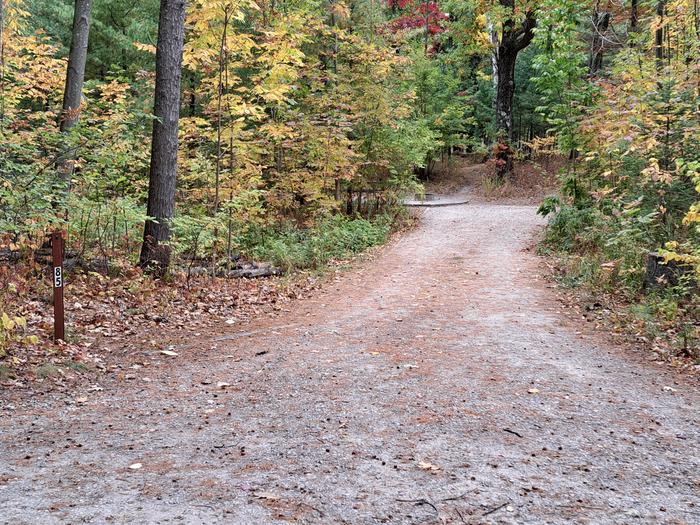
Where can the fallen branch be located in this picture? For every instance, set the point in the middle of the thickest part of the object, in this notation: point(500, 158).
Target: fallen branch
point(242, 273)
point(254, 272)
point(455, 498)
point(496, 509)
point(512, 432)
point(421, 501)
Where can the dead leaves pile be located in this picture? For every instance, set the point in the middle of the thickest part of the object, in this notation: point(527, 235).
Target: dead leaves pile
point(612, 314)
point(108, 316)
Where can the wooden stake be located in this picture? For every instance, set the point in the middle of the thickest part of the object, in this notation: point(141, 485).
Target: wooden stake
point(58, 308)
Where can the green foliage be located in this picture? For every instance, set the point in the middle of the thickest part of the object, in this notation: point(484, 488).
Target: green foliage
point(271, 130)
point(549, 206)
point(116, 26)
point(575, 229)
point(439, 101)
point(631, 184)
point(560, 72)
point(335, 237)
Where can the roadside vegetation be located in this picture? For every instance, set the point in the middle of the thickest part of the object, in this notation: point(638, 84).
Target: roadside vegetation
point(627, 221)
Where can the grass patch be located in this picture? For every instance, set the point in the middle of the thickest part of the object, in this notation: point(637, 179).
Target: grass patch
point(6, 373)
point(47, 370)
point(333, 238)
point(81, 368)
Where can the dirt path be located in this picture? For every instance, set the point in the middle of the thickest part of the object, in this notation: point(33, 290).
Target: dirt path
point(437, 385)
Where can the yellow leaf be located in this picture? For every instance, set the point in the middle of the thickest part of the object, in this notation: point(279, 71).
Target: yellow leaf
point(7, 323)
point(145, 47)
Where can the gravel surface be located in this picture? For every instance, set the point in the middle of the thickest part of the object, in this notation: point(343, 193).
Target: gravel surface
point(436, 384)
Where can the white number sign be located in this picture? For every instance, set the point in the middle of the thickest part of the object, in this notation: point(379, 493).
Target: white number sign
point(58, 277)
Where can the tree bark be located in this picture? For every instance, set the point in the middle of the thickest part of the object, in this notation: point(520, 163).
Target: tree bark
point(634, 15)
point(223, 66)
point(75, 78)
point(601, 23)
point(155, 252)
point(505, 93)
point(659, 34)
point(506, 49)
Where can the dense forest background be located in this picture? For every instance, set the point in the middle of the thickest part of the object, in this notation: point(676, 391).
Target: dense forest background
point(304, 123)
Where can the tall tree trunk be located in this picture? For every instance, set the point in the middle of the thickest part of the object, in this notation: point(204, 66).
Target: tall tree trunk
point(426, 4)
point(335, 48)
point(601, 22)
point(659, 34)
point(505, 93)
point(506, 48)
point(75, 78)
point(155, 253)
point(223, 65)
point(634, 15)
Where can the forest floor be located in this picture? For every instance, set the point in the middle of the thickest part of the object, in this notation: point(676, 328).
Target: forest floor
point(440, 382)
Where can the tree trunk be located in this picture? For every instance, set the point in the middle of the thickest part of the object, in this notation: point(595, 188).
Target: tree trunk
point(504, 63)
point(75, 78)
point(155, 253)
point(505, 93)
point(426, 5)
point(601, 23)
point(659, 35)
point(223, 65)
point(634, 15)
point(506, 48)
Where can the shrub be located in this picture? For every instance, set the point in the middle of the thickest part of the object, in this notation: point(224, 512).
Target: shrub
point(335, 237)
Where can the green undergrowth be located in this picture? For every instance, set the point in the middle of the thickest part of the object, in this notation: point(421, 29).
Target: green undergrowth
point(604, 258)
point(334, 238)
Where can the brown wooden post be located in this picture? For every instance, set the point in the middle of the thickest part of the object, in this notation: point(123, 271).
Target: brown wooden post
point(57, 273)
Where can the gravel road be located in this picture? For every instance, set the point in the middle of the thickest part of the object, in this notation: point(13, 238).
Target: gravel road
point(436, 384)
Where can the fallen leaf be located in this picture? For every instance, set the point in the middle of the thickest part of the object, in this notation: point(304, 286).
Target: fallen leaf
point(429, 466)
point(267, 495)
